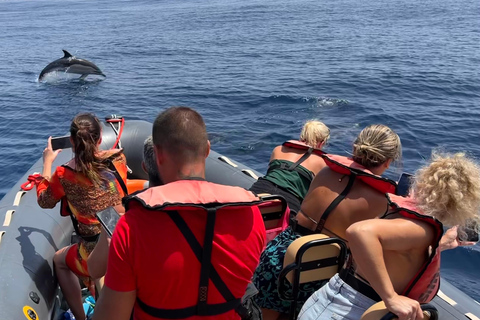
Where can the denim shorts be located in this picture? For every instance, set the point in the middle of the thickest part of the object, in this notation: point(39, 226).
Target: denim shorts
point(334, 301)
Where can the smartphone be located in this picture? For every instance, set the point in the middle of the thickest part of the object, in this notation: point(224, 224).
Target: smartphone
point(404, 183)
point(468, 234)
point(61, 143)
point(108, 218)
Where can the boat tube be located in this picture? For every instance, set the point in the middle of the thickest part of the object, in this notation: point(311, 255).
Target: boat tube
point(30, 235)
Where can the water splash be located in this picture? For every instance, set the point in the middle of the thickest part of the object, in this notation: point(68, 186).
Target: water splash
point(60, 77)
point(330, 102)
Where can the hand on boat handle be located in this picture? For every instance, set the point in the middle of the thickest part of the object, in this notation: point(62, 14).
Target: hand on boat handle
point(404, 308)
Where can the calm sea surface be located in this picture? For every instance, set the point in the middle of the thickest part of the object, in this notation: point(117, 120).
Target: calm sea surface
point(256, 70)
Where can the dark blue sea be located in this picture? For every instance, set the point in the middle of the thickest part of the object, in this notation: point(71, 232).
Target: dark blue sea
point(256, 70)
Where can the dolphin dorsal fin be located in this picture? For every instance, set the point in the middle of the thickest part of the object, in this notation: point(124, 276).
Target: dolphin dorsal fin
point(67, 54)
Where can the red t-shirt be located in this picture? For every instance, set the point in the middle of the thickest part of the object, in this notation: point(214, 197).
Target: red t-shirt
point(149, 254)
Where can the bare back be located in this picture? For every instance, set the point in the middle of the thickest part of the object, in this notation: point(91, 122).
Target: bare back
point(361, 203)
point(314, 162)
point(406, 247)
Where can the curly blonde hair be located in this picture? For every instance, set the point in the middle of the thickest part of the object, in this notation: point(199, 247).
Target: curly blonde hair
point(376, 144)
point(314, 132)
point(448, 188)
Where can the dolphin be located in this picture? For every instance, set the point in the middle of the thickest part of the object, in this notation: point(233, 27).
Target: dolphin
point(71, 64)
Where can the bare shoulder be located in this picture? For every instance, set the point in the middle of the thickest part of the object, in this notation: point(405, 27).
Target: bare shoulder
point(278, 153)
point(411, 232)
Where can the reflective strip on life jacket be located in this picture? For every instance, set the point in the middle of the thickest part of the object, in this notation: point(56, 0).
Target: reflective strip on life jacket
point(188, 195)
point(347, 166)
point(425, 284)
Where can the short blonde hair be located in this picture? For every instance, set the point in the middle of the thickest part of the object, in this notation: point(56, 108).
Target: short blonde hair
point(376, 144)
point(314, 132)
point(448, 188)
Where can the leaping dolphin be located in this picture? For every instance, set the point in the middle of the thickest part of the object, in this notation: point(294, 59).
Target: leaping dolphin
point(71, 64)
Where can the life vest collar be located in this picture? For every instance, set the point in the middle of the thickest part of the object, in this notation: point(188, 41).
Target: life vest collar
point(191, 194)
point(347, 166)
point(295, 144)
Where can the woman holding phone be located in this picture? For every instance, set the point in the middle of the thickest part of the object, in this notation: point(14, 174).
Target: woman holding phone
point(87, 184)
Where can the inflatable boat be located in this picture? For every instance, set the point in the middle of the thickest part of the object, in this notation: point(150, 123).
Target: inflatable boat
point(30, 235)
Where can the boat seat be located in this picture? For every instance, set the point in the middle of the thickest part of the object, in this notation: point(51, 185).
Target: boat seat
point(275, 213)
point(310, 258)
point(379, 312)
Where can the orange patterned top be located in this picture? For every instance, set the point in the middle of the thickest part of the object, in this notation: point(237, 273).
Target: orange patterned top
point(84, 198)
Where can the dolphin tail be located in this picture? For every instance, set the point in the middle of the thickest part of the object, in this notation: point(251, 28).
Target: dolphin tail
point(67, 54)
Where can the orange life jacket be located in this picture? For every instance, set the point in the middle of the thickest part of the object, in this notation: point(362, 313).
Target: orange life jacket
point(347, 166)
point(215, 199)
point(425, 284)
point(353, 170)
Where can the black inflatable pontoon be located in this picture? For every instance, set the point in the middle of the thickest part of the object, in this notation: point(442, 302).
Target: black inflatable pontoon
point(30, 236)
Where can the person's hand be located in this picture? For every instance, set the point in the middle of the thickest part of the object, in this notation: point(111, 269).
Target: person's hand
point(450, 240)
point(404, 308)
point(48, 154)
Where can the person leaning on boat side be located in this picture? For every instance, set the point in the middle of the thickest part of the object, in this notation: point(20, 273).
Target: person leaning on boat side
point(86, 185)
point(375, 148)
point(97, 261)
point(152, 267)
point(293, 165)
point(397, 256)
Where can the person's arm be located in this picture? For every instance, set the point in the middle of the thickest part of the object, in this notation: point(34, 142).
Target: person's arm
point(97, 260)
point(48, 157)
point(368, 239)
point(450, 240)
point(119, 292)
point(114, 304)
point(49, 189)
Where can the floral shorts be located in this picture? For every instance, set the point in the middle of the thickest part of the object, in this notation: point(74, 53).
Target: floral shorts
point(265, 277)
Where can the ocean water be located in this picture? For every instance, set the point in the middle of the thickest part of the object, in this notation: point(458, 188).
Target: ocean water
point(255, 70)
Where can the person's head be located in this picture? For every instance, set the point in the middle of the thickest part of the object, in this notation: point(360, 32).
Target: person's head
point(448, 188)
point(86, 136)
point(181, 143)
point(315, 134)
point(376, 147)
point(150, 163)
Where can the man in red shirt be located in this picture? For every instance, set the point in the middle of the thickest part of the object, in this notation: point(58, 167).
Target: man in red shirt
point(154, 263)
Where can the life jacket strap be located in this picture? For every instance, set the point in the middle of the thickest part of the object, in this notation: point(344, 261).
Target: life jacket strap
point(294, 166)
point(211, 310)
point(111, 166)
point(206, 264)
point(302, 159)
point(207, 272)
point(336, 202)
point(65, 209)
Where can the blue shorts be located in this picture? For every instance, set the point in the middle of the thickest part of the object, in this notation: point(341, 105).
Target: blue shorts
point(334, 301)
